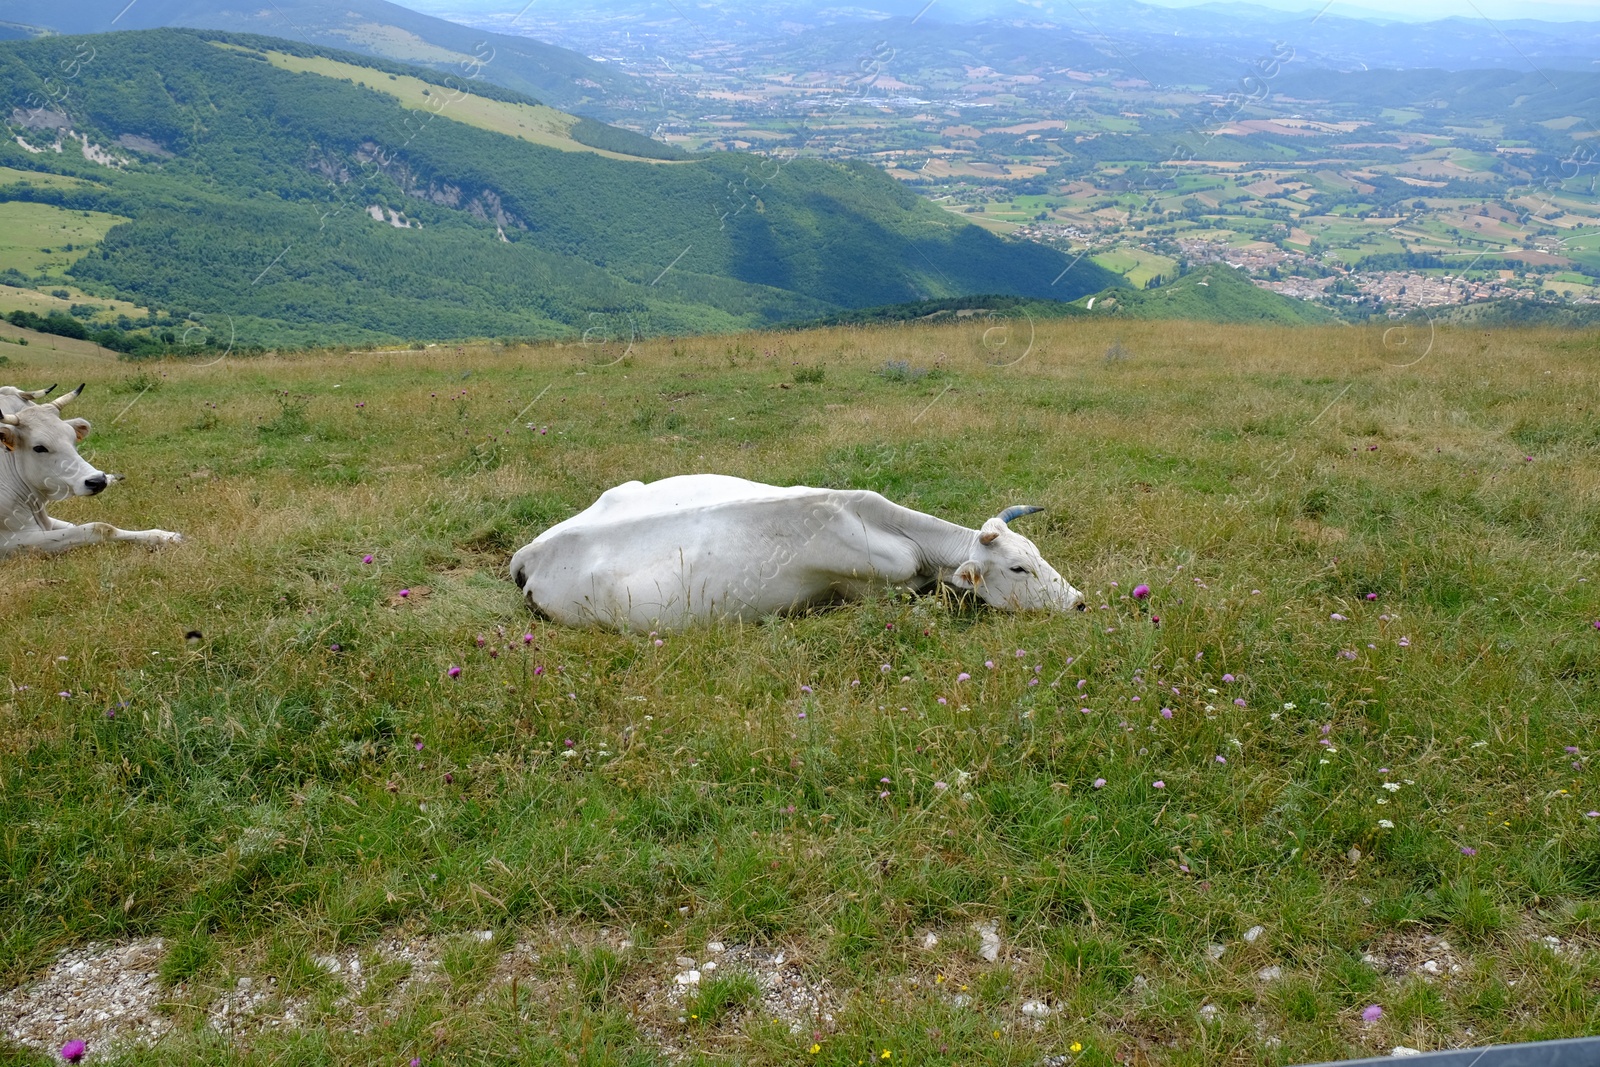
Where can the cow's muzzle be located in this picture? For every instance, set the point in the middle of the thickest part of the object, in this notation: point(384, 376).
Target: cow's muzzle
point(97, 484)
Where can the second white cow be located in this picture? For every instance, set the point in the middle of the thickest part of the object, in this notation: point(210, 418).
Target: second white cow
point(40, 465)
point(702, 547)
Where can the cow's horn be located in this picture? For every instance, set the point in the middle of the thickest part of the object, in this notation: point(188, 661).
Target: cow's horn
point(1016, 511)
point(9, 420)
point(66, 398)
point(39, 394)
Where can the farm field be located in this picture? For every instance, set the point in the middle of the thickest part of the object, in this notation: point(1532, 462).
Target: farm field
point(1326, 792)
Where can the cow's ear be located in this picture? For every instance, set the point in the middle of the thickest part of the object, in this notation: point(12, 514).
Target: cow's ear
point(991, 531)
point(967, 576)
point(8, 436)
point(79, 427)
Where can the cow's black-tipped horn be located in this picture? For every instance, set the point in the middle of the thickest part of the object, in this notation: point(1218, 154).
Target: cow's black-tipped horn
point(39, 394)
point(66, 398)
point(1016, 511)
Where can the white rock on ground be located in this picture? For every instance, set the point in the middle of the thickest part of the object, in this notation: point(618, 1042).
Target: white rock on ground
point(1402, 1050)
point(988, 939)
point(1270, 974)
point(1035, 1009)
point(1254, 932)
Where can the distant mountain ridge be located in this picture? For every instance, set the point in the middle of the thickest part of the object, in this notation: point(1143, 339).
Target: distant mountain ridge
point(558, 76)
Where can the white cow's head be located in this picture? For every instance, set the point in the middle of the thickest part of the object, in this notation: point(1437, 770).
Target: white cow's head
point(44, 451)
point(1008, 572)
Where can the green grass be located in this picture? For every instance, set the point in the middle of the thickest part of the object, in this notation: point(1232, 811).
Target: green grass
point(44, 239)
point(306, 778)
point(534, 123)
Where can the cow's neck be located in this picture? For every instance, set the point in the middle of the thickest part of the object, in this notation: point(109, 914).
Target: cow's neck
point(943, 546)
point(20, 507)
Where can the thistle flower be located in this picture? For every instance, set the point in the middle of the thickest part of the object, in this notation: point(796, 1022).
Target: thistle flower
point(454, 672)
point(367, 558)
point(73, 1051)
point(1141, 591)
point(1371, 1013)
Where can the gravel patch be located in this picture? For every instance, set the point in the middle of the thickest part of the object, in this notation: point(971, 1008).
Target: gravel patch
point(105, 995)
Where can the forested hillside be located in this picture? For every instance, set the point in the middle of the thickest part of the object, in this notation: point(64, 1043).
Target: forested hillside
point(304, 208)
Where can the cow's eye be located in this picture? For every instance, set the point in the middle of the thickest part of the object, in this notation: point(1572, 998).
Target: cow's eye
point(1019, 570)
point(40, 448)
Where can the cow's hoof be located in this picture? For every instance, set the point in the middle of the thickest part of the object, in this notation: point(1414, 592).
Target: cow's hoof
point(167, 537)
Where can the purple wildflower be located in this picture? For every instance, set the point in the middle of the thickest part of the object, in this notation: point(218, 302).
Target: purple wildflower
point(454, 672)
point(805, 689)
point(1239, 701)
point(1227, 677)
point(73, 1051)
point(1222, 759)
point(1372, 596)
point(405, 592)
point(1166, 713)
point(419, 746)
point(367, 558)
point(1158, 784)
point(1572, 749)
point(1099, 783)
point(569, 742)
point(1468, 850)
point(963, 676)
point(1141, 591)
point(1371, 1013)
point(940, 786)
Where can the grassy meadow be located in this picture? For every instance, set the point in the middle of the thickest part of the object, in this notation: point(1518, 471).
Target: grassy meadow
point(1357, 710)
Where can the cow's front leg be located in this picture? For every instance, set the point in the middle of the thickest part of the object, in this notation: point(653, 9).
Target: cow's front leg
point(65, 536)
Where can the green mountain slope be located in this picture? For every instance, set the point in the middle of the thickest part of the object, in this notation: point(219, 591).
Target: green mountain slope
point(558, 76)
point(1211, 294)
point(303, 207)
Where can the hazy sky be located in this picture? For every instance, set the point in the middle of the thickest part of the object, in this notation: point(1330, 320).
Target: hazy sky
point(1411, 10)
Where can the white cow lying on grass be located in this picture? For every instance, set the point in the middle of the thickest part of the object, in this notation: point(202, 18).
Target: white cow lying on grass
point(41, 465)
point(705, 546)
